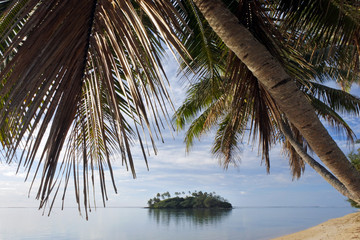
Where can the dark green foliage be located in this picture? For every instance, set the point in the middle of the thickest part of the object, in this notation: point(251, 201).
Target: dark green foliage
point(355, 160)
point(211, 202)
point(353, 203)
point(188, 202)
point(196, 200)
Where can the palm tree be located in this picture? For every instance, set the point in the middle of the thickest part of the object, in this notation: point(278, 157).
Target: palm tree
point(84, 77)
point(282, 88)
point(216, 96)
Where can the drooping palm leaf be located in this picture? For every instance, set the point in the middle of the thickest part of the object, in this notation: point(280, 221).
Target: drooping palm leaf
point(226, 142)
point(336, 99)
point(332, 117)
point(328, 32)
point(296, 163)
point(326, 18)
point(89, 66)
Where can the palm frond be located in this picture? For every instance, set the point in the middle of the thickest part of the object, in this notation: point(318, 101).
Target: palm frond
point(226, 142)
point(332, 117)
point(93, 77)
point(325, 19)
point(196, 129)
point(296, 163)
point(203, 45)
point(327, 33)
point(337, 100)
point(199, 96)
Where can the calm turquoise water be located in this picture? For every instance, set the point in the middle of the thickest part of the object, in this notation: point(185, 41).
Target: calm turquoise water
point(140, 223)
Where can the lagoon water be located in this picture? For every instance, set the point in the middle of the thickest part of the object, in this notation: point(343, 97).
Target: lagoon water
point(140, 223)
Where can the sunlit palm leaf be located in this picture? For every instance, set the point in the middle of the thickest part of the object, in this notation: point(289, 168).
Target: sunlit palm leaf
point(90, 66)
point(227, 138)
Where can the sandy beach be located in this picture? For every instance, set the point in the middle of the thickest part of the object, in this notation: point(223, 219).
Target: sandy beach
point(343, 228)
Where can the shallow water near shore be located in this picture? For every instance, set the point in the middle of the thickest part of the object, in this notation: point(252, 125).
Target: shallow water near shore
point(141, 223)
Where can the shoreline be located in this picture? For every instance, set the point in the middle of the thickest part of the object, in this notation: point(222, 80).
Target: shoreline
point(346, 227)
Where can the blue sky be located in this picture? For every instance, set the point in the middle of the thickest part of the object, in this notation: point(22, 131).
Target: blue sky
point(173, 170)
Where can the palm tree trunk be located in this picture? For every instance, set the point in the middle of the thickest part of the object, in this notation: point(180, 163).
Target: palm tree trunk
point(282, 88)
point(323, 172)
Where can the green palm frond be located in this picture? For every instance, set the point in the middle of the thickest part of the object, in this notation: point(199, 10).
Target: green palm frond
point(324, 19)
point(327, 33)
point(257, 17)
point(203, 45)
point(199, 96)
point(332, 117)
point(337, 100)
point(336, 63)
point(12, 18)
point(226, 141)
point(196, 129)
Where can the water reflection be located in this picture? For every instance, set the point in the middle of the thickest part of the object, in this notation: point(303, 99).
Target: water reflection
point(196, 217)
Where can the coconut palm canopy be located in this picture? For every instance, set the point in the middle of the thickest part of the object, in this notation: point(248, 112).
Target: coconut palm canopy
point(227, 95)
point(81, 80)
point(280, 83)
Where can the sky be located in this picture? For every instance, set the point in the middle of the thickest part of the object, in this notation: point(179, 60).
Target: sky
point(173, 170)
